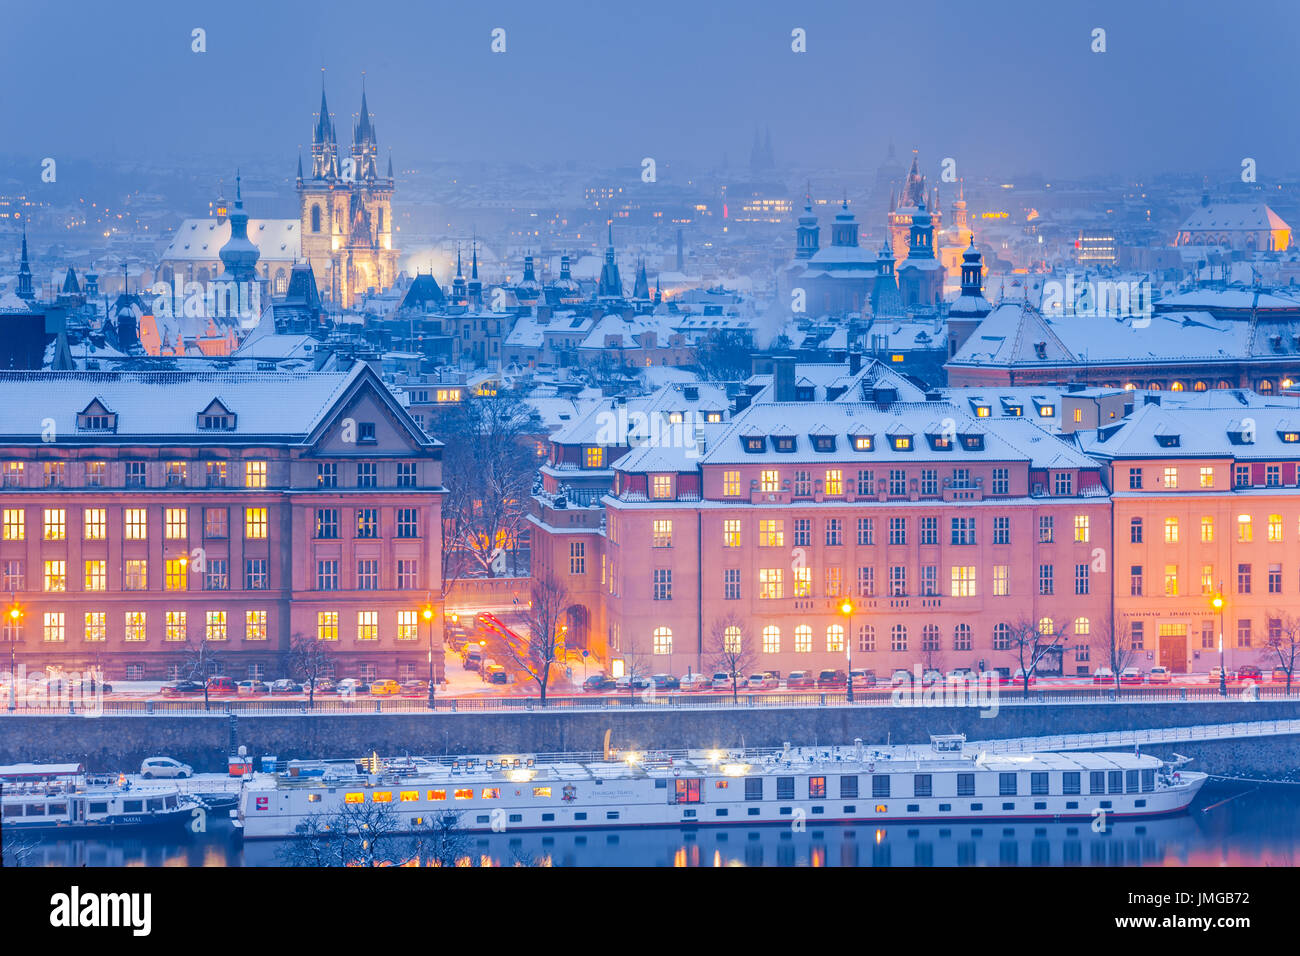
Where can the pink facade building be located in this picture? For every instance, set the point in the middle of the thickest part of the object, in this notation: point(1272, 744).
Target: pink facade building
point(144, 513)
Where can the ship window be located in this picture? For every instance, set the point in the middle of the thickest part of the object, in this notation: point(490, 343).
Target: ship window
point(753, 788)
point(128, 806)
point(491, 793)
point(1148, 781)
point(94, 808)
point(753, 811)
point(483, 818)
point(1139, 803)
point(880, 786)
point(816, 788)
point(687, 790)
point(913, 808)
point(580, 815)
point(354, 798)
point(882, 808)
point(1072, 804)
point(850, 808)
point(1007, 784)
point(721, 812)
point(437, 794)
point(848, 787)
point(611, 815)
point(975, 807)
point(519, 817)
point(1008, 806)
point(1115, 782)
point(965, 784)
point(660, 784)
point(1070, 782)
point(1038, 783)
point(818, 809)
point(465, 793)
point(155, 804)
point(1105, 804)
point(1097, 781)
point(16, 809)
point(541, 791)
point(313, 798)
point(785, 788)
point(1131, 781)
point(785, 811)
point(1040, 805)
point(546, 817)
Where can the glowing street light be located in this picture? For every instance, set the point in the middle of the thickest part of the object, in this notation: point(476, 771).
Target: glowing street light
point(846, 609)
point(1217, 604)
point(427, 614)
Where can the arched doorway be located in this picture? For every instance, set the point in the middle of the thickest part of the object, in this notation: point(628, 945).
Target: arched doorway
point(578, 622)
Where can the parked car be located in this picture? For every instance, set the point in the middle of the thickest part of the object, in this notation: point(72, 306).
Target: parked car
point(598, 682)
point(1249, 672)
point(931, 677)
point(251, 686)
point(179, 688)
point(353, 685)
point(1130, 675)
point(800, 679)
point(385, 688)
point(1018, 677)
point(323, 685)
point(495, 674)
point(665, 682)
point(415, 688)
point(696, 682)
point(222, 685)
point(1159, 675)
point(831, 678)
point(1229, 675)
point(472, 657)
point(723, 681)
point(152, 767)
point(863, 678)
point(628, 682)
point(1103, 675)
point(762, 682)
point(1279, 675)
point(285, 686)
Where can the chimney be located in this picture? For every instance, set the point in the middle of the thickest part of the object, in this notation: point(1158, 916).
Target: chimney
point(855, 363)
point(783, 378)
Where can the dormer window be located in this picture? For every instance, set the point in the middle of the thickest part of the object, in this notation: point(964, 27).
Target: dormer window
point(1167, 440)
point(823, 442)
point(1040, 350)
point(97, 417)
point(366, 433)
point(216, 417)
point(863, 442)
point(983, 411)
point(1046, 411)
point(1289, 437)
point(940, 442)
point(754, 443)
point(783, 443)
point(901, 442)
point(972, 442)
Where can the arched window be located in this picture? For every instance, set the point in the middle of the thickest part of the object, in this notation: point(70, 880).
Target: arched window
point(1001, 637)
point(1154, 386)
point(1176, 387)
point(1223, 383)
point(771, 639)
point(731, 639)
point(315, 218)
point(961, 637)
point(802, 639)
point(381, 219)
point(1082, 628)
point(1200, 386)
point(663, 640)
point(1265, 386)
point(835, 639)
point(898, 637)
point(1046, 626)
point(930, 637)
point(866, 638)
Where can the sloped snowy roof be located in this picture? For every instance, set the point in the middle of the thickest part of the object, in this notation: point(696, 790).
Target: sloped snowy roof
point(202, 239)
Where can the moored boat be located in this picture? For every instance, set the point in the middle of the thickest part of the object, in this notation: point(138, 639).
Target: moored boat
point(64, 797)
point(949, 780)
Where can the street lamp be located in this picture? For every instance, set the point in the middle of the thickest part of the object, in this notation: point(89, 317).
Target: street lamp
point(1217, 604)
point(15, 616)
point(847, 610)
point(427, 614)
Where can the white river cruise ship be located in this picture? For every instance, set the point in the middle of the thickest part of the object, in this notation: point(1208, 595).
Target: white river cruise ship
point(949, 780)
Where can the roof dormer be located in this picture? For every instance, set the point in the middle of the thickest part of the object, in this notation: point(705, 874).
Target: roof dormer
point(216, 417)
point(97, 417)
point(822, 438)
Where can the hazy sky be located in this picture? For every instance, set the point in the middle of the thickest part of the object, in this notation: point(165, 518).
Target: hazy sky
point(1001, 85)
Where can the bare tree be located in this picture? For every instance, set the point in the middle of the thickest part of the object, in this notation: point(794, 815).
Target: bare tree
point(201, 661)
point(1113, 642)
point(638, 665)
point(547, 607)
point(310, 660)
point(1284, 643)
point(1032, 641)
point(730, 648)
point(17, 848)
point(724, 355)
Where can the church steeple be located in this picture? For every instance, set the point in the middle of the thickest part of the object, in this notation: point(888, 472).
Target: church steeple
point(458, 291)
point(365, 142)
point(24, 289)
point(324, 144)
point(611, 283)
point(475, 288)
point(844, 231)
point(239, 255)
point(808, 233)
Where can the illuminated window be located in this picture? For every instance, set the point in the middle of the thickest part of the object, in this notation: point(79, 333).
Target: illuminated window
point(546, 791)
point(771, 639)
point(1207, 579)
point(771, 533)
point(1046, 626)
point(769, 480)
point(96, 577)
point(731, 639)
point(834, 581)
point(1171, 531)
point(135, 625)
point(354, 798)
point(1207, 530)
point(731, 483)
point(13, 474)
point(14, 524)
point(770, 583)
point(1171, 580)
point(662, 640)
point(1001, 580)
point(1245, 529)
point(176, 574)
point(96, 626)
point(409, 796)
point(176, 524)
point(174, 627)
point(1207, 477)
point(1081, 530)
point(834, 482)
point(93, 524)
point(435, 795)
point(255, 522)
point(595, 457)
point(731, 533)
point(407, 626)
point(53, 627)
point(135, 522)
point(802, 578)
point(1274, 527)
point(254, 474)
point(327, 625)
point(963, 581)
point(383, 796)
point(1171, 477)
point(661, 486)
point(56, 576)
point(802, 639)
point(135, 575)
point(215, 629)
point(835, 638)
point(367, 625)
point(56, 524)
point(661, 533)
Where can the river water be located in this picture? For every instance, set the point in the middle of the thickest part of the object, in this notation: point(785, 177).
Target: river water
point(1228, 825)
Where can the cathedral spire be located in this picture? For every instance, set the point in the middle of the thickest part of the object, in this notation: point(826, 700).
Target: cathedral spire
point(24, 289)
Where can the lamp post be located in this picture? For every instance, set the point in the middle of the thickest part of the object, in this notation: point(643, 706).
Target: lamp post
point(15, 616)
point(847, 610)
point(1217, 604)
point(427, 614)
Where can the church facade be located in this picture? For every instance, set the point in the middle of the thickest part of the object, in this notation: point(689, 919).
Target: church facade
point(346, 210)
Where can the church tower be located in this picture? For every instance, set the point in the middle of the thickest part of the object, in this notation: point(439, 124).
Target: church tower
point(807, 235)
point(965, 314)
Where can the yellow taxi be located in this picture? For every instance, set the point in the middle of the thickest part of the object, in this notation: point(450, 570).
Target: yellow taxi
point(385, 688)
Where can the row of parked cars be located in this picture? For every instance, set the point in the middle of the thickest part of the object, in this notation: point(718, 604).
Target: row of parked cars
point(348, 686)
point(721, 680)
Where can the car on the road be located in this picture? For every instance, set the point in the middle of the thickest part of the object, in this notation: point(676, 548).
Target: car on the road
point(285, 686)
point(415, 688)
point(665, 682)
point(797, 679)
point(1103, 675)
point(863, 678)
point(251, 686)
point(723, 681)
point(597, 682)
point(1249, 672)
point(222, 685)
point(1159, 675)
point(385, 688)
point(1130, 675)
point(495, 674)
point(762, 682)
point(831, 678)
point(696, 682)
point(179, 688)
point(1229, 675)
point(152, 767)
point(472, 657)
point(352, 685)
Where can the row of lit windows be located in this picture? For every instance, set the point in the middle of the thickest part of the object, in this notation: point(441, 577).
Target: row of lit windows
point(1167, 478)
point(135, 523)
point(413, 796)
point(54, 626)
point(835, 481)
point(1209, 582)
point(135, 473)
point(327, 626)
point(962, 531)
point(215, 574)
point(1245, 525)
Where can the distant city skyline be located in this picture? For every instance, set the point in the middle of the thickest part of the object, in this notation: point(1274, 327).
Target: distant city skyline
point(1010, 91)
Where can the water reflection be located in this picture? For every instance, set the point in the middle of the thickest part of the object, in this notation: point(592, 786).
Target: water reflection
point(1252, 829)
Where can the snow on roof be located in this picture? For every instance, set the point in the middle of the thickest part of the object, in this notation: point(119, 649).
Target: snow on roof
point(1230, 217)
point(201, 239)
point(1152, 430)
